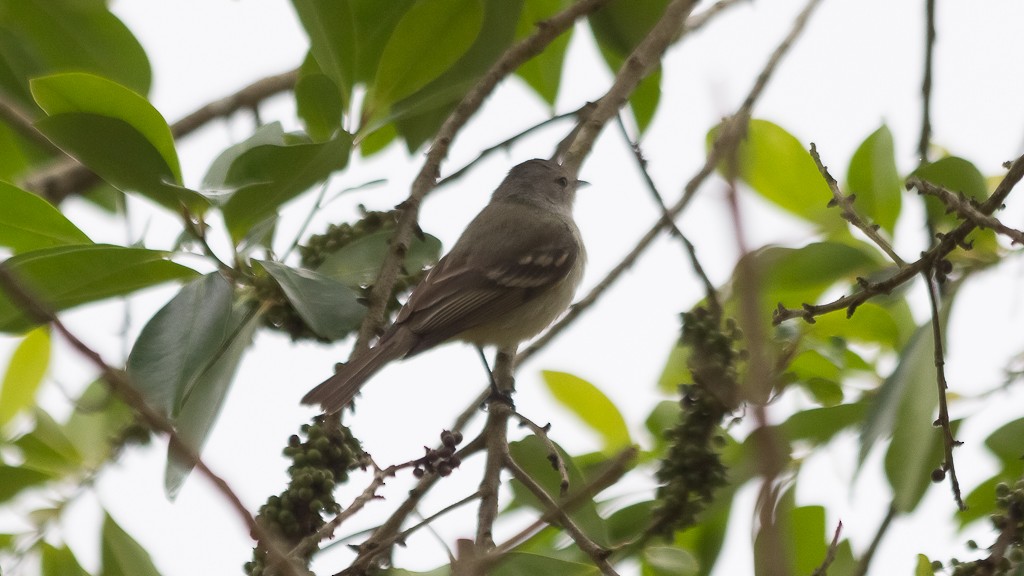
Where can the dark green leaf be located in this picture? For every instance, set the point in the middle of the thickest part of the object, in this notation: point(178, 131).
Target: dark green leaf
point(778, 167)
point(60, 562)
point(280, 173)
point(532, 455)
point(28, 222)
point(591, 406)
point(121, 554)
point(543, 72)
point(180, 341)
point(527, 564)
point(318, 103)
point(202, 403)
point(66, 276)
point(119, 154)
point(872, 176)
point(81, 93)
point(217, 176)
point(328, 306)
point(445, 29)
point(627, 524)
point(347, 38)
point(961, 177)
point(358, 262)
point(419, 116)
point(24, 373)
point(14, 479)
point(40, 38)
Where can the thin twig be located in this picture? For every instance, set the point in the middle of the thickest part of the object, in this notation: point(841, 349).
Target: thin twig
point(12, 114)
point(732, 131)
point(845, 202)
point(68, 176)
point(697, 21)
point(869, 554)
point(509, 61)
point(598, 554)
point(948, 243)
point(554, 457)
point(644, 59)
point(830, 556)
point(924, 141)
point(504, 145)
point(709, 289)
point(966, 209)
point(948, 441)
point(122, 386)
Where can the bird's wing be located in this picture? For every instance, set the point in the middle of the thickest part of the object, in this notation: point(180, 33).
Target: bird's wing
point(475, 284)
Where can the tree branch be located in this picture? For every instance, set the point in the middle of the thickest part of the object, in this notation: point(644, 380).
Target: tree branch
point(732, 131)
point(509, 61)
point(120, 384)
point(644, 59)
point(947, 244)
point(966, 209)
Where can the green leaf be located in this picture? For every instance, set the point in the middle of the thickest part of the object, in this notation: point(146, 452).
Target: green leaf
point(662, 419)
point(887, 323)
point(618, 27)
point(778, 167)
point(181, 341)
point(801, 531)
point(924, 566)
point(202, 403)
point(28, 222)
point(528, 564)
point(543, 72)
point(905, 407)
point(47, 448)
point(419, 116)
point(872, 176)
point(99, 419)
point(357, 263)
point(445, 29)
point(676, 370)
point(328, 306)
point(532, 455)
point(25, 373)
point(40, 38)
point(347, 38)
point(271, 175)
point(793, 276)
point(121, 555)
point(81, 93)
point(820, 425)
point(1004, 443)
point(14, 479)
point(60, 562)
point(591, 406)
point(66, 276)
point(668, 561)
point(120, 155)
point(318, 103)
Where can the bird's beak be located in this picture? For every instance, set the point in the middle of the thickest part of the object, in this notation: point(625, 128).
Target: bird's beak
point(582, 184)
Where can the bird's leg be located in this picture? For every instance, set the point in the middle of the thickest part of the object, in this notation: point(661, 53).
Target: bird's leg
point(497, 392)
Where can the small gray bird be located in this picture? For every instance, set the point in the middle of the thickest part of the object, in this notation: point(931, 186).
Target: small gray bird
point(511, 273)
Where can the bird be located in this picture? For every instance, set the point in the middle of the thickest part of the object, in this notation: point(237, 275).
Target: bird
point(511, 273)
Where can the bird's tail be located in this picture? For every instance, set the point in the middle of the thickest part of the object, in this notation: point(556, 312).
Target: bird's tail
point(337, 391)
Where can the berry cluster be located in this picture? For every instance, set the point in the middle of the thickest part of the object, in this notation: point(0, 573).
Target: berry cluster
point(1009, 521)
point(692, 469)
point(319, 464)
point(442, 460)
point(282, 315)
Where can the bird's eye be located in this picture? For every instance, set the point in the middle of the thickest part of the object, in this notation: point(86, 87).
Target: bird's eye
point(563, 181)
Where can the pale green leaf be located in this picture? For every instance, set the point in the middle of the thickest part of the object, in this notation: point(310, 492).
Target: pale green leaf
point(27, 222)
point(25, 373)
point(591, 406)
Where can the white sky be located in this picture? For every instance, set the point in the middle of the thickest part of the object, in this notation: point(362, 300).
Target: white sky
point(857, 66)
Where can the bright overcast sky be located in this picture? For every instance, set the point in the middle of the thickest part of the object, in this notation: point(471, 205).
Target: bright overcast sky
point(857, 66)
